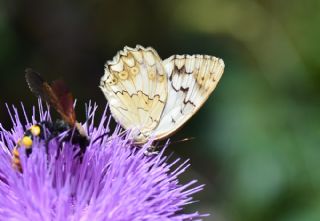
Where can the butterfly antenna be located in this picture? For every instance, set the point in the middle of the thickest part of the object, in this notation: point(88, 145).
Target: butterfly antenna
point(184, 140)
point(179, 141)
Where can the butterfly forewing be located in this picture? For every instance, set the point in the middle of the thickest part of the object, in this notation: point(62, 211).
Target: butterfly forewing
point(191, 79)
point(135, 84)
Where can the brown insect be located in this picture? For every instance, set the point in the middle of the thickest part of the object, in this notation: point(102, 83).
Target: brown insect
point(59, 97)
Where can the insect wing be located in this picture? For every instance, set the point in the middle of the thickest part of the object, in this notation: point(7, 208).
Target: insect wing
point(56, 95)
point(135, 84)
point(191, 79)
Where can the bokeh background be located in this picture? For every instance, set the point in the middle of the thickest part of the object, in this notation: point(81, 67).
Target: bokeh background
point(257, 138)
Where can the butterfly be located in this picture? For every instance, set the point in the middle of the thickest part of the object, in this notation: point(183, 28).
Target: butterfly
point(155, 97)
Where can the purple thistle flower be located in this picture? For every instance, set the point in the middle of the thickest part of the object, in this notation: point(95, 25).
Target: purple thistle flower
point(113, 181)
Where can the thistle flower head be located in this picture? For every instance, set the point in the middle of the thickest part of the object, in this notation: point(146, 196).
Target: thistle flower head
point(113, 180)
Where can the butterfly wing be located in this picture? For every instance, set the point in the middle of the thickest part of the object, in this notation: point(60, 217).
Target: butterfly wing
point(57, 95)
point(135, 84)
point(191, 79)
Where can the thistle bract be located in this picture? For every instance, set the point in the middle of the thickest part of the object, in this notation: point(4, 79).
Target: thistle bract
point(113, 180)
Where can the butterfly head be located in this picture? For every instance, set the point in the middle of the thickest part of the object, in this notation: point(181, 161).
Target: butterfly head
point(139, 136)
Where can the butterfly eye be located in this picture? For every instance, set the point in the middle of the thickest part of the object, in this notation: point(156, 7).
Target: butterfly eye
point(123, 75)
point(112, 80)
point(134, 71)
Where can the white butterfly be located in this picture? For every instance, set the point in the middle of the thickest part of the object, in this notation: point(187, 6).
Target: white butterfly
point(157, 97)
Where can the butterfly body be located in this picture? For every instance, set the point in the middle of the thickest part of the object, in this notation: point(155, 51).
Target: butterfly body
point(155, 97)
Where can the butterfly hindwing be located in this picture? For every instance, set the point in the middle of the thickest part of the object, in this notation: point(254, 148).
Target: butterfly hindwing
point(135, 84)
point(191, 79)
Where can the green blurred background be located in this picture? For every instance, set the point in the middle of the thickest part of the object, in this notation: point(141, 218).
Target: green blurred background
point(257, 138)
